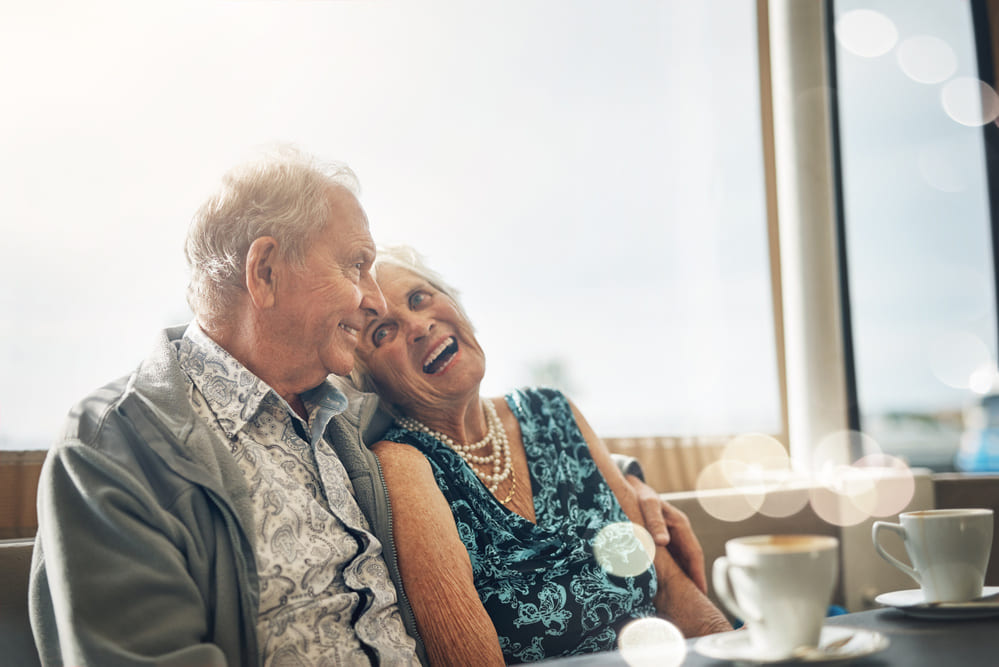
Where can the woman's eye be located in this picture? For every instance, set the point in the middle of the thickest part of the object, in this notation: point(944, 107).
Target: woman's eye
point(417, 298)
point(380, 334)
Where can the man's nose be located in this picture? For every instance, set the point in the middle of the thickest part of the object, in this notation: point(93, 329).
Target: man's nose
point(372, 299)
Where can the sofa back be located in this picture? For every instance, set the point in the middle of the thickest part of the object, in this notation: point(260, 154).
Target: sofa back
point(17, 646)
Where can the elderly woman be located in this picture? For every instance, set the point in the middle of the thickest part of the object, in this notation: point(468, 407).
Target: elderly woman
point(501, 505)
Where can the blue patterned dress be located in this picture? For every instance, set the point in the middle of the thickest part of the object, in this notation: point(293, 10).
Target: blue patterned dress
point(542, 584)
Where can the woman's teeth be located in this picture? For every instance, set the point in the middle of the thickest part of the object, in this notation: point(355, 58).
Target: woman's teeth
point(440, 355)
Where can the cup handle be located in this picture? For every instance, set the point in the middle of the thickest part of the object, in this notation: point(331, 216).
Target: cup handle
point(895, 528)
point(719, 576)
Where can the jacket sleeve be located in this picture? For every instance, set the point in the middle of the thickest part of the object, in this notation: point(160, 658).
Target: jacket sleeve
point(109, 582)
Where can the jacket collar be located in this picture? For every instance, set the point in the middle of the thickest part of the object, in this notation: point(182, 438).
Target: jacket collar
point(156, 401)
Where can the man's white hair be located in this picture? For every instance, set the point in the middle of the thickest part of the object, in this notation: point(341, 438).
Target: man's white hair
point(283, 193)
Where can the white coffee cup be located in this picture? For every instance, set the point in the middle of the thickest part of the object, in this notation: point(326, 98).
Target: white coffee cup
point(781, 587)
point(949, 550)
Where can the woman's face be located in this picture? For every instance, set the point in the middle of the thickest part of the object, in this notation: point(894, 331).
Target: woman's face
point(422, 353)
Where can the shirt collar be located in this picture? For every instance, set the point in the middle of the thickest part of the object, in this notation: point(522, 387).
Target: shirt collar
point(322, 404)
point(236, 395)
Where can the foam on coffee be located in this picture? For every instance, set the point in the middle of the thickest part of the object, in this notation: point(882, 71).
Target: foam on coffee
point(788, 543)
point(947, 512)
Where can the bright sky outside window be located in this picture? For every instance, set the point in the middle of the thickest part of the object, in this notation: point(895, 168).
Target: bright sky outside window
point(588, 173)
point(917, 219)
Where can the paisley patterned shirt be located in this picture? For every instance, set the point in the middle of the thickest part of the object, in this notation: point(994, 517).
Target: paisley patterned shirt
point(567, 584)
point(326, 597)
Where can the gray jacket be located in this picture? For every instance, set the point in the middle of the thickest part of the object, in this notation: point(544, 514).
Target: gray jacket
point(144, 553)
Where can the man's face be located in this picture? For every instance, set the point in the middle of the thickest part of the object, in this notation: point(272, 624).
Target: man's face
point(321, 309)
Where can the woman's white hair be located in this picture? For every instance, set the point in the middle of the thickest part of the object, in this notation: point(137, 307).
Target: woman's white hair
point(283, 193)
point(407, 258)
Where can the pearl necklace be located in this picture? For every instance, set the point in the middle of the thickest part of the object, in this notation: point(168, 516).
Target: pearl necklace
point(498, 460)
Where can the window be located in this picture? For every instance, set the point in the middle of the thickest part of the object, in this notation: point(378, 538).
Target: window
point(916, 212)
point(588, 173)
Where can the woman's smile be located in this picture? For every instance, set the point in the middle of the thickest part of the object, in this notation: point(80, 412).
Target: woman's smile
point(441, 358)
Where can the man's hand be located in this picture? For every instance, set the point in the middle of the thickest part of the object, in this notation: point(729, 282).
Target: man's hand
point(671, 528)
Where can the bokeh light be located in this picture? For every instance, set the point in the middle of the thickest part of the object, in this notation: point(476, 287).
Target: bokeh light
point(849, 480)
point(652, 642)
point(970, 101)
point(893, 480)
point(841, 448)
point(956, 356)
point(755, 462)
point(926, 59)
point(846, 494)
point(765, 467)
point(984, 379)
point(721, 498)
point(624, 549)
point(841, 499)
point(842, 495)
point(787, 498)
point(760, 452)
point(866, 33)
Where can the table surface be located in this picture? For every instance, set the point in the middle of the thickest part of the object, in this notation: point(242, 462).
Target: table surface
point(914, 642)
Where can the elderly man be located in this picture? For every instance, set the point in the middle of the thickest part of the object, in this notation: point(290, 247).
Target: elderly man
point(218, 506)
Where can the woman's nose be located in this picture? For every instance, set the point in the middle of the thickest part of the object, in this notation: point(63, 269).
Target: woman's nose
point(418, 327)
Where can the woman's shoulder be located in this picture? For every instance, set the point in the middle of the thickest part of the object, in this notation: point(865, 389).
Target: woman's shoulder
point(399, 434)
point(534, 393)
point(534, 401)
point(399, 456)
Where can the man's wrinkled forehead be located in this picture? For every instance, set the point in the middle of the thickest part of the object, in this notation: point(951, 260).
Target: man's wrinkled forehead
point(347, 220)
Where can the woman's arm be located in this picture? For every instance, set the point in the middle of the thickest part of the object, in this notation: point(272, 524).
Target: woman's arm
point(436, 571)
point(678, 598)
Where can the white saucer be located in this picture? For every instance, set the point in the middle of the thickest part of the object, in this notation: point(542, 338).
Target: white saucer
point(911, 602)
point(836, 643)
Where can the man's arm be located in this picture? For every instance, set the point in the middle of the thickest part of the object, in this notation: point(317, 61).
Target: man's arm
point(668, 526)
point(109, 583)
point(436, 571)
point(663, 518)
point(678, 598)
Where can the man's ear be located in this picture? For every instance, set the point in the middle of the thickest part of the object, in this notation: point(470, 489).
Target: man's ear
point(262, 268)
